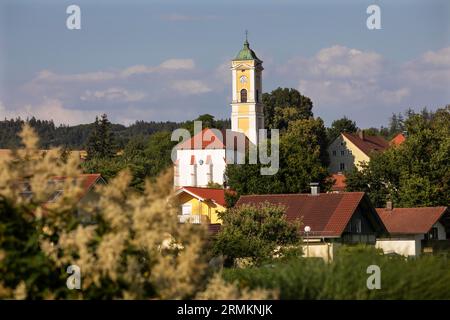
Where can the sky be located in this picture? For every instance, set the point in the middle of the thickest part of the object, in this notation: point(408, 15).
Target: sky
point(170, 60)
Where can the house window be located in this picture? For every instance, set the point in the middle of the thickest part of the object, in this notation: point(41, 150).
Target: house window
point(342, 166)
point(342, 152)
point(358, 225)
point(243, 95)
point(334, 152)
point(186, 209)
point(433, 234)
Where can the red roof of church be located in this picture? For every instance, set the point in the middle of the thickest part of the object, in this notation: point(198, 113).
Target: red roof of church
point(368, 144)
point(212, 139)
point(398, 139)
point(410, 220)
point(326, 213)
point(215, 194)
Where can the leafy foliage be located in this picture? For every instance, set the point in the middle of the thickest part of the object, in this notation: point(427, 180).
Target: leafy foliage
point(341, 125)
point(254, 232)
point(128, 245)
point(303, 159)
point(283, 105)
point(101, 143)
point(416, 173)
point(346, 276)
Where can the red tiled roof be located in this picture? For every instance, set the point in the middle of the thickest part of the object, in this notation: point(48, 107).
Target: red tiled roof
point(211, 139)
point(410, 220)
point(339, 182)
point(214, 194)
point(327, 213)
point(398, 140)
point(88, 181)
point(368, 144)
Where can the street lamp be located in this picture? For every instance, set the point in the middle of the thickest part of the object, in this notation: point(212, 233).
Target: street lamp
point(307, 231)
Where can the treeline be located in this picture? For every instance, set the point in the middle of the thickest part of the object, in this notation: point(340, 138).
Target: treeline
point(76, 137)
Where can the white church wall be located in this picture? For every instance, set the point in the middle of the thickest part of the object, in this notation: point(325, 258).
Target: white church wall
point(204, 172)
point(202, 168)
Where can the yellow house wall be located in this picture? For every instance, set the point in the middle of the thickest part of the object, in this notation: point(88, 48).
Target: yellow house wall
point(207, 209)
point(351, 161)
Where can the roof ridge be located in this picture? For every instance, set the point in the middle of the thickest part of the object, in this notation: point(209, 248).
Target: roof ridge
point(301, 194)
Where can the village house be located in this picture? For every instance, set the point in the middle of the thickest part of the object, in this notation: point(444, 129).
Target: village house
point(87, 196)
point(349, 150)
point(332, 219)
point(200, 205)
point(413, 231)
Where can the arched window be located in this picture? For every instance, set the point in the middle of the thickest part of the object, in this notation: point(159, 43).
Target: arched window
point(243, 95)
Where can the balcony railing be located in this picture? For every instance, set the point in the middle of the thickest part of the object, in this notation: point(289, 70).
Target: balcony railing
point(193, 218)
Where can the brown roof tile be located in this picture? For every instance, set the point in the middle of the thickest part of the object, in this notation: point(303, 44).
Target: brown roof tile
point(215, 194)
point(339, 182)
point(410, 220)
point(327, 213)
point(369, 144)
point(211, 139)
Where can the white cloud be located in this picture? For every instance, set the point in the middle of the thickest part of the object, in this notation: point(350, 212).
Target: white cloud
point(440, 58)
point(50, 109)
point(189, 87)
point(342, 76)
point(171, 64)
point(48, 76)
point(178, 64)
point(113, 94)
point(431, 70)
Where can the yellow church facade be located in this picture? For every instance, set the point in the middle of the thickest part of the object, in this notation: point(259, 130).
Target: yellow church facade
point(198, 167)
point(247, 115)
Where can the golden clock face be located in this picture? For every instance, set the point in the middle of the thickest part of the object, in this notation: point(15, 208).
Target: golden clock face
point(243, 79)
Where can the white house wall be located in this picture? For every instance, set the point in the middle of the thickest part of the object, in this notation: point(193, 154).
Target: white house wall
point(408, 245)
point(402, 246)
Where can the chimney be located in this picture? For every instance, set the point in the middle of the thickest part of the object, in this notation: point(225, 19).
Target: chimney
point(315, 189)
point(389, 205)
point(361, 134)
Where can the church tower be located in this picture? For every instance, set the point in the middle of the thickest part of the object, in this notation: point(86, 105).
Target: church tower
point(247, 113)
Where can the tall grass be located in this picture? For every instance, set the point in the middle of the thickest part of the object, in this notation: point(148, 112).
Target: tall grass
point(426, 277)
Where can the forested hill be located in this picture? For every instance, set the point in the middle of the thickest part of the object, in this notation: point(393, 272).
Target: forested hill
point(75, 137)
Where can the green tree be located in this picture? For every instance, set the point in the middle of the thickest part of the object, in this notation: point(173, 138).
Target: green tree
point(341, 125)
point(416, 173)
point(146, 157)
point(132, 247)
point(302, 159)
point(101, 142)
point(255, 231)
point(283, 105)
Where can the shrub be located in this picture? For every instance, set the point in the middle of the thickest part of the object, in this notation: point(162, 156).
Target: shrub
point(425, 277)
